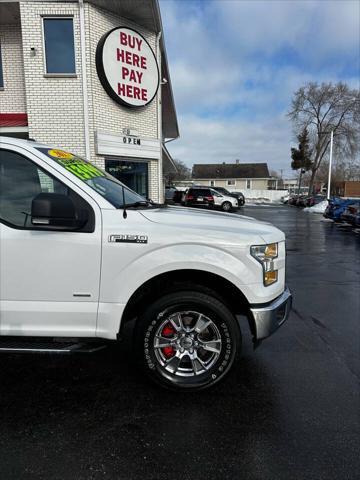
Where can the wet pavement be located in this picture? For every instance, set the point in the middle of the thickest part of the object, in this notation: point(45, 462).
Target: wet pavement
point(289, 410)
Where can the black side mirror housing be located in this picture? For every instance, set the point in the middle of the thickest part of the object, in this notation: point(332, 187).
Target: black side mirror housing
point(55, 210)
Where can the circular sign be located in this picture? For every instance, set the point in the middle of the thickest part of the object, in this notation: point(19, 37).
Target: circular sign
point(127, 67)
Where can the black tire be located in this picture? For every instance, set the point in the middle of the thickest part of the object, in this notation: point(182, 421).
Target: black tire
point(183, 366)
point(226, 207)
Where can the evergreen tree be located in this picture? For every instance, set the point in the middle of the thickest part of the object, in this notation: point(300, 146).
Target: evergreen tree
point(301, 156)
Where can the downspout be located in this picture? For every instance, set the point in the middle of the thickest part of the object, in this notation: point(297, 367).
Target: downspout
point(160, 183)
point(84, 79)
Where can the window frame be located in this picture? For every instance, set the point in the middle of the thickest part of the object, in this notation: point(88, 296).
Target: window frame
point(2, 86)
point(228, 184)
point(212, 183)
point(89, 227)
point(248, 180)
point(57, 17)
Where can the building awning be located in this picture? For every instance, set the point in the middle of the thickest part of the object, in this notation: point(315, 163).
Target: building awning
point(168, 162)
point(10, 120)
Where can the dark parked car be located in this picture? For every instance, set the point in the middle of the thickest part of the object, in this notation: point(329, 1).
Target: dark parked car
point(199, 197)
point(336, 208)
point(357, 220)
point(178, 196)
point(238, 195)
point(351, 213)
point(169, 193)
point(292, 200)
point(301, 201)
point(208, 197)
point(314, 200)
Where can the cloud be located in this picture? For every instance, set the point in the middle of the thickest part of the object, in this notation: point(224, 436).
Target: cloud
point(217, 141)
point(312, 29)
point(235, 65)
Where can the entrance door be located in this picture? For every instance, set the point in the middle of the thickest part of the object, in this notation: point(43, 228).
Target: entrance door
point(49, 278)
point(133, 174)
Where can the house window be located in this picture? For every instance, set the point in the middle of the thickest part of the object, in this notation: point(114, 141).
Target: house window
point(212, 183)
point(1, 71)
point(248, 184)
point(59, 46)
point(231, 183)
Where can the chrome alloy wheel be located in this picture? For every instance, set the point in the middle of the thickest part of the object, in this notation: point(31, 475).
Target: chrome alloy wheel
point(187, 343)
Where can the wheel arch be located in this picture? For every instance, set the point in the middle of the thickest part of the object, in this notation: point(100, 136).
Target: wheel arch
point(174, 280)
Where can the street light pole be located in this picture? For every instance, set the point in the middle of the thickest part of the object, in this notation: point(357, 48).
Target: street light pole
point(330, 163)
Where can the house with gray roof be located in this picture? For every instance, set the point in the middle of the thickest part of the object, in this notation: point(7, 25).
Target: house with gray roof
point(233, 176)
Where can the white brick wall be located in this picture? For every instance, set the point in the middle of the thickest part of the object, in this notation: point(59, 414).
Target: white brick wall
point(105, 114)
point(154, 181)
point(55, 104)
point(12, 98)
point(55, 107)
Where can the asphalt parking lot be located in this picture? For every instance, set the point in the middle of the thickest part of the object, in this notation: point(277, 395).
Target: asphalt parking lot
point(288, 410)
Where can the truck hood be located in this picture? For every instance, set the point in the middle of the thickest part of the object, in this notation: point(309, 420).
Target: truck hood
point(232, 228)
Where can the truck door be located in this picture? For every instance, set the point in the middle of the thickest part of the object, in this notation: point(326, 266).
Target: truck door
point(49, 277)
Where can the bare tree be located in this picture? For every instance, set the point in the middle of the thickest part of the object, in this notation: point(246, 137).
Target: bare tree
point(343, 170)
point(182, 172)
point(322, 109)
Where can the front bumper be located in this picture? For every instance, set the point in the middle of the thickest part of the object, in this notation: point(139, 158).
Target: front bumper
point(268, 318)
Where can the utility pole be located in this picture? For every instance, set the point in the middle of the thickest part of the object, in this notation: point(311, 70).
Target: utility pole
point(330, 164)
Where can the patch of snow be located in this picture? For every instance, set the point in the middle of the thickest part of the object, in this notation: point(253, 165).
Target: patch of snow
point(261, 201)
point(319, 208)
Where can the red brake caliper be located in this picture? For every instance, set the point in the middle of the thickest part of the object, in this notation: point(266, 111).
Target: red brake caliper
point(168, 331)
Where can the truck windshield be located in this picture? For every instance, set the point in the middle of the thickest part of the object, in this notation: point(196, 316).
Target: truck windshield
point(104, 184)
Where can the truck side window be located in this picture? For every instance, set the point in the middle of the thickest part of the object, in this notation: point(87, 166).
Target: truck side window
point(22, 180)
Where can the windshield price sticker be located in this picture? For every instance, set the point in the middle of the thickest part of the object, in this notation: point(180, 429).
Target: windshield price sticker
point(56, 153)
point(82, 169)
point(76, 165)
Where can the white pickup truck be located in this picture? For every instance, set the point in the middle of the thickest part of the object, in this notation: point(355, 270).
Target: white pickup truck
point(82, 256)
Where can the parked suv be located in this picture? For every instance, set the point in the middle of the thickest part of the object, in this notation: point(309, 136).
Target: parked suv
point(208, 197)
point(84, 259)
point(238, 195)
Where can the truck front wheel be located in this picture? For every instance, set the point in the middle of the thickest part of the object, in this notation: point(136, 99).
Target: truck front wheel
point(188, 340)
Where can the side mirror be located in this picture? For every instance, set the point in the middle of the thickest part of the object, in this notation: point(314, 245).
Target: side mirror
point(55, 210)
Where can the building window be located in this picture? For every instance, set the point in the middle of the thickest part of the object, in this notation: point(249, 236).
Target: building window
point(59, 46)
point(212, 183)
point(248, 184)
point(1, 71)
point(231, 183)
point(135, 175)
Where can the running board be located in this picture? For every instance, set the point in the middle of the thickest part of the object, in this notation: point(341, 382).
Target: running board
point(16, 346)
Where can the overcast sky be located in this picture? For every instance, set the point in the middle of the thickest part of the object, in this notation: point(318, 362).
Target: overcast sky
point(234, 65)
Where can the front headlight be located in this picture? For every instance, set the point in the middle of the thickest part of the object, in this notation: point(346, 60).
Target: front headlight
point(265, 254)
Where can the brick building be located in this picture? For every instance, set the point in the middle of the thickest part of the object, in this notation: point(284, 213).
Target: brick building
point(57, 86)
